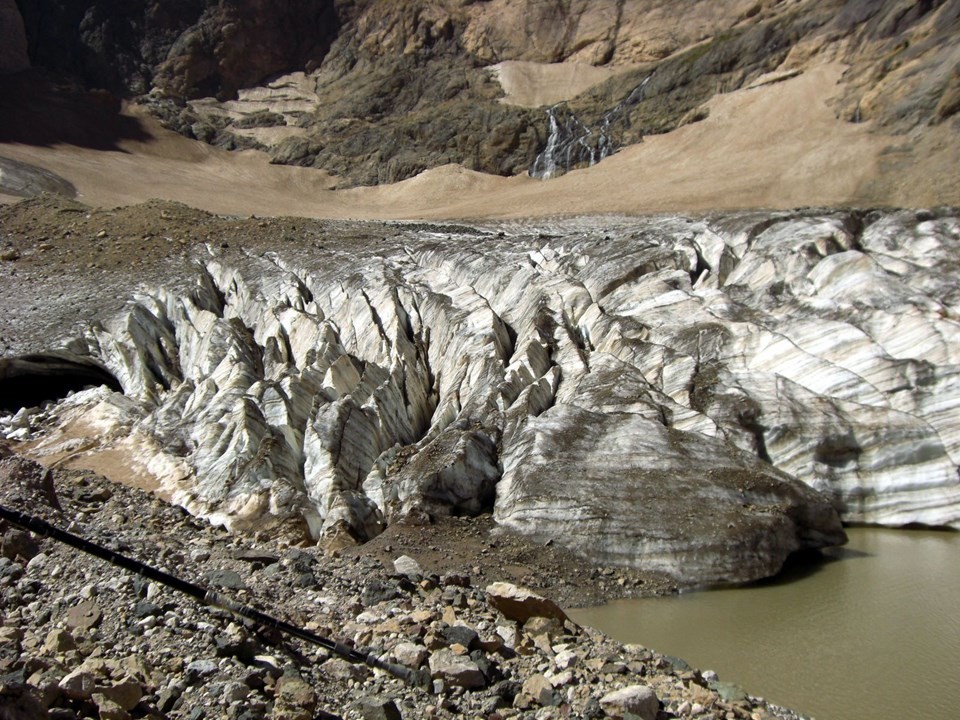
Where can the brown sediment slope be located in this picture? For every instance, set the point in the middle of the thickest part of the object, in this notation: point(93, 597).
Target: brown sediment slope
point(772, 145)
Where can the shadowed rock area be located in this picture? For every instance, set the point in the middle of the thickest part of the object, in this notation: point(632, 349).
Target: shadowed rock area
point(13, 39)
point(36, 379)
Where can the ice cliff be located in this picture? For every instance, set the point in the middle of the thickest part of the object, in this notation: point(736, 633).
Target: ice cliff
point(697, 395)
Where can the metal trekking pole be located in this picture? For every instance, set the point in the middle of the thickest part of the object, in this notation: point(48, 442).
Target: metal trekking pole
point(412, 676)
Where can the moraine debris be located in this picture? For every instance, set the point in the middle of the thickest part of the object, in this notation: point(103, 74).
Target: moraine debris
point(186, 661)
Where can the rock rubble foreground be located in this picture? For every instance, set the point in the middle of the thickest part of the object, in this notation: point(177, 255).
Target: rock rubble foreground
point(80, 638)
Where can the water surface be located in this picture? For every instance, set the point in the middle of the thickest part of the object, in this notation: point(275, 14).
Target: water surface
point(872, 632)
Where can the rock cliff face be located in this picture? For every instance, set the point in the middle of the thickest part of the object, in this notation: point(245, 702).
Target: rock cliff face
point(382, 91)
point(690, 395)
point(13, 39)
point(187, 47)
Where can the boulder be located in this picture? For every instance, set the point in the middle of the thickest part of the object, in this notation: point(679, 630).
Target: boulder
point(296, 700)
point(18, 544)
point(378, 708)
point(84, 616)
point(410, 654)
point(540, 689)
point(457, 670)
point(108, 709)
point(462, 635)
point(126, 693)
point(340, 669)
point(406, 565)
point(519, 604)
point(59, 641)
point(227, 579)
point(79, 685)
point(638, 700)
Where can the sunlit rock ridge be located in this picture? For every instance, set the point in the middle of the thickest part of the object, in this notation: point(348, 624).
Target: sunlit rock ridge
point(694, 395)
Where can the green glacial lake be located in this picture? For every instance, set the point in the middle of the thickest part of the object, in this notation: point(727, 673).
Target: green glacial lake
point(871, 633)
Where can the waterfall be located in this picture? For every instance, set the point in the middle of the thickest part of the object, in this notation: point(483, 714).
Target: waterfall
point(572, 143)
point(545, 164)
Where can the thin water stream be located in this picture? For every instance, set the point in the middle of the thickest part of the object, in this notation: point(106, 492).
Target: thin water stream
point(872, 632)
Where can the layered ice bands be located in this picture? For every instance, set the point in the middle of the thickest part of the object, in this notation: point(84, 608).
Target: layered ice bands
point(701, 396)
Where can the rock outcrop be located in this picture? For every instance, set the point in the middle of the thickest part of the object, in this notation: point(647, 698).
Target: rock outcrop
point(689, 396)
point(13, 39)
point(195, 48)
point(378, 92)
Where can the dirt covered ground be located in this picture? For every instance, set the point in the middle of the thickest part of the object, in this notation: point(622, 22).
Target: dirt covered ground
point(478, 548)
point(63, 262)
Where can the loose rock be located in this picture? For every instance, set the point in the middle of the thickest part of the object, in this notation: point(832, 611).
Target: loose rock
point(406, 565)
point(456, 670)
point(84, 616)
point(520, 604)
point(637, 700)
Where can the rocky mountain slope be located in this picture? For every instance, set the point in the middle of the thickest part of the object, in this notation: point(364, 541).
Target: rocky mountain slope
point(693, 396)
point(381, 91)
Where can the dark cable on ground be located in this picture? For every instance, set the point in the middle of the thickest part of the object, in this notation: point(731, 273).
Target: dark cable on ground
point(414, 677)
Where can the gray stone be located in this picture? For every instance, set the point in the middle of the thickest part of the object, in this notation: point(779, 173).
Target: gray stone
point(78, 685)
point(566, 659)
point(456, 670)
point(376, 708)
point(406, 565)
point(167, 697)
point(461, 635)
point(200, 669)
point(637, 700)
point(410, 654)
point(84, 616)
point(234, 692)
point(227, 579)
point(18, 544)
point(376, 592)
point(728, 692)
point(144, 609)
point(255, 556)
point(340, 669)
